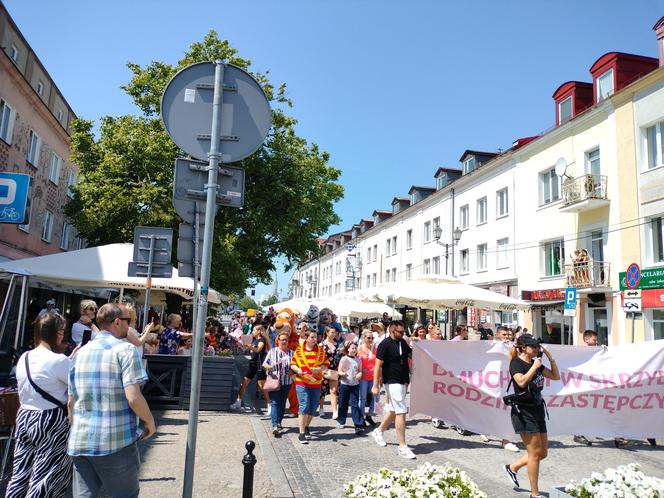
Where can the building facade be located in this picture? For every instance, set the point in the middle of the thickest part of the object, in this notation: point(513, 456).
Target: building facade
point(34, 140)
point(572, 207)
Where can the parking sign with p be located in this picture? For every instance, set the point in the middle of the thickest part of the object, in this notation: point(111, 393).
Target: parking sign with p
point(13, 197)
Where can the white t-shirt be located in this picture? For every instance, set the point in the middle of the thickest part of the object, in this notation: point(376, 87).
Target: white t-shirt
point(50, 371)
point(77, 332)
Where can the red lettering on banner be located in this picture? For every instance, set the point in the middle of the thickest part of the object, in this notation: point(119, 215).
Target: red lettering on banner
point(660, 399)
point(608, 403)
point(439, 387)
point(582, 401)
point(552, 402)
point(471, 393)
point(488, 401)
point(623, 378)
point(622, 402)
point(567, 401)
point(487, 380)
point(631, 403)
point(457, 389)
point(571, 377)
point(647, 405)
point(438, 370)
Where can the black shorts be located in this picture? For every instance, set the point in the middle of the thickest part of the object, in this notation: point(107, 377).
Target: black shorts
point(529, 419)
point(253, 370)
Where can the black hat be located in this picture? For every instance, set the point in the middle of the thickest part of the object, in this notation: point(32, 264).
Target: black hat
point(527, 340)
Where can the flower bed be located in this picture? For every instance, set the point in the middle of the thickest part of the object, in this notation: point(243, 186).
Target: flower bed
point(626, 481)
point(427, 480)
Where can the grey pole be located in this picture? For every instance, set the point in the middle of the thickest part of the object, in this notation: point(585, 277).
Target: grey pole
point(4, 314)
point(22, 308)
point(148, 283)
point(197, 266)
point(210, 212)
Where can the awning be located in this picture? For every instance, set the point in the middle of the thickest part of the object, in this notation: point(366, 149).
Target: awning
point(543, 304)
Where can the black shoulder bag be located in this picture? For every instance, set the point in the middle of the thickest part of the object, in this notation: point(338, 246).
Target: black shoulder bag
point(41, 392)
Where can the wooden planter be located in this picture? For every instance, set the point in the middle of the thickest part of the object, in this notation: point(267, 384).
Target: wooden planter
point(216, 383)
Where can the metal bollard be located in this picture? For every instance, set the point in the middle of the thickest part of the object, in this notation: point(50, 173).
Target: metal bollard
point(249, 460)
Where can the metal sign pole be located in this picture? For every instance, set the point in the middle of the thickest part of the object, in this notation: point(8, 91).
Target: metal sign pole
point(210, 211)
point(148, 283)
point(197, 265)
point(633, 317)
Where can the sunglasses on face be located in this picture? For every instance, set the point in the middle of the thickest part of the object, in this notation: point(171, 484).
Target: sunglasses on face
point(125, 318)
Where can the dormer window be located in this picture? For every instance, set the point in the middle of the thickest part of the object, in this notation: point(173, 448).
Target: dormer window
point(376, 219)
point(565, 110)
point(440, 182)
point(13, 53)
point(469, 165)
point(413, 199)
point(605, 86)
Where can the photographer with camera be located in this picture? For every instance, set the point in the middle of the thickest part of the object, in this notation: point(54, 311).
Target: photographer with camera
point(528, 408)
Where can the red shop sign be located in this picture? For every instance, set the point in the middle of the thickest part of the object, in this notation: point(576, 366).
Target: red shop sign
point(652, 298)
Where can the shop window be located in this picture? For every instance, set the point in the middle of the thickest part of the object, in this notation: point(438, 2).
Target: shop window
point(658, 324)
point(554, 327)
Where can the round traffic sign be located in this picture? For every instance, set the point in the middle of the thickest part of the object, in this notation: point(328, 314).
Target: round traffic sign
point(186, 111)
point(633, 276)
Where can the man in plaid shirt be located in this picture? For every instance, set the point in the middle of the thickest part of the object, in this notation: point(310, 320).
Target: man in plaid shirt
point(104, 402)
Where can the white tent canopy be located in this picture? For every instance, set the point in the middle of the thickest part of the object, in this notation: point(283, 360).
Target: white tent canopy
point(102, 266)
point(441, 293)
point(341, 307)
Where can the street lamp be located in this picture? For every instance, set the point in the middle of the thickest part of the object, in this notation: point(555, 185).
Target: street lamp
point(437, 233)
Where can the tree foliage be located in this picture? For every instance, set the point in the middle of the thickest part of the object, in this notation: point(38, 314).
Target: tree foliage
point(248, 303)
point(126, 176)
point(270, 300)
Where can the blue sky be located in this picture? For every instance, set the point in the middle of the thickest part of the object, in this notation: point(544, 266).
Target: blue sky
point(392, 90)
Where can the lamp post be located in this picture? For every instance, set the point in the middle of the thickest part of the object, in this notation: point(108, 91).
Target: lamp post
point(437, 233)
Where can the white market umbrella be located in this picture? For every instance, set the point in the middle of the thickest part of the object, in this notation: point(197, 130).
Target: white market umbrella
point(98, 267)
point(341, 307)
point(435, 293)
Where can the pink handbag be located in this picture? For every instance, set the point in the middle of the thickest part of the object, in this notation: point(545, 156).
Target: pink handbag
point(271, 384)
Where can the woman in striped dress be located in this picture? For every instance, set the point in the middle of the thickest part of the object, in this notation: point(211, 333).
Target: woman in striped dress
point(41, 464)
point(277, 364)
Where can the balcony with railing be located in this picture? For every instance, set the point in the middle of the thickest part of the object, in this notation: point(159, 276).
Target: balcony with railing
point(584, 193)
point(588, 274)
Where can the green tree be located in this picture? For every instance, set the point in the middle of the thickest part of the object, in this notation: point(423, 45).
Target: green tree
point(246, 303)
point(270, 300)
point(126, 176)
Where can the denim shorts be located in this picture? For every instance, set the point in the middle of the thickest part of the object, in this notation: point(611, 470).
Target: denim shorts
point(308, 399)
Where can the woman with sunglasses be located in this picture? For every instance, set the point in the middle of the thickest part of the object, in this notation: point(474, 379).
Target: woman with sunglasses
point(278, 364)
point(88, 309)
point(367, 355)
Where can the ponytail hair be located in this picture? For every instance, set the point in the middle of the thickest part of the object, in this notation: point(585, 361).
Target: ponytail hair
point(513, 352)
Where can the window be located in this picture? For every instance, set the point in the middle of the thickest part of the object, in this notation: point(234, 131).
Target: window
point(469, 165)
point(549, 187)
point(565, 110)
point(427, 232)
point(375, 252)
point(481, 257)
point(394, 274)
point(25, 226)
point(64, 240)
point(40, 88)
point(464, 218)
point(502, 205)
point(34, 144)
point(394, 245)
point(655, 244)
point(59, 114)
point(481, 211)
point(413, 199)
point(464, 258)
point(54, 168)
point(426, 266)
point(47, 228)
point(658, 324)
point(593, 164)
point(436, 222)
point(436, 265)
point(388, 248)
point(552, 255)
point(368, 281)
point(440, 182)
point(387, 276)
point(409, 271)
point(13, 52)
point(6, 121)
point(605, 85)
point(369, 255)
point(373, 280)
point(502, 255)
point(654, 145)
point(409, 239)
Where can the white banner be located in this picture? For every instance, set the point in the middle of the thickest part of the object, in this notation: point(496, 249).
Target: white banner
point(606, 392)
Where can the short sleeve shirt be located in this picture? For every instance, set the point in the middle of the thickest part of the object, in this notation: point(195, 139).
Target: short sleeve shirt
point(103, 422)
point(394, 355)
point(170, 341)
point(536, 384)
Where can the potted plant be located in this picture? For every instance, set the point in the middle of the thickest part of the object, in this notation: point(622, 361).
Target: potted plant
point(426, 480)
point(625, 481)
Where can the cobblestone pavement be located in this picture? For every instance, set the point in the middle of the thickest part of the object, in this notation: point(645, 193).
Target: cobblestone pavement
point(335, 456)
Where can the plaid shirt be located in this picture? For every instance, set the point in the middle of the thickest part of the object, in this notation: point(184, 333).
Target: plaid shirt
point(103, 422)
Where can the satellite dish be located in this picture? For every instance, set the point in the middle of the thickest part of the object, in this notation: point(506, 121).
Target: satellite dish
point(561, 167)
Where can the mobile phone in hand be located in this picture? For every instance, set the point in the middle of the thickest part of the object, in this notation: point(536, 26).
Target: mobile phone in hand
point(87, 335)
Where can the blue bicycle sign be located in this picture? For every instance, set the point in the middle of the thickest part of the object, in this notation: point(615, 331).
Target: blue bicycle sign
point(13, 197)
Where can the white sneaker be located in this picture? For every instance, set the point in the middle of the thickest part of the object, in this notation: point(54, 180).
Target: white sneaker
point(378, 437)
point(236, 405)
point(334, 415)
point(321, 411)
point(483, 438)
point(269, 410)
point(511, 447)
point(340, 426)
point(405, 452)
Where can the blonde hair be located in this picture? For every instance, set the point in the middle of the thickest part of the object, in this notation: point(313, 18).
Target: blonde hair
point(85, 304)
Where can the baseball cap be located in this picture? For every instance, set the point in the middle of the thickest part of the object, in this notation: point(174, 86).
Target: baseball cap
point(528, 340)
point(51, 301)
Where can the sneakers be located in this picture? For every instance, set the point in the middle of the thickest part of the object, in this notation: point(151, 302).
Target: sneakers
point(378, 437)
point(483, 438)
point(275, 431)
point(341, 426)
point(405, 452)
point(269, 410)
point(302, 438)
point(512, 475)
point(321, 411)
point(582, 440)
point(236, 405)
point(359, 430)
point(335, 415)
point(279, 426)
point(652, 442)
point(370, 421)
point(511, 447)
point(307, 432)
